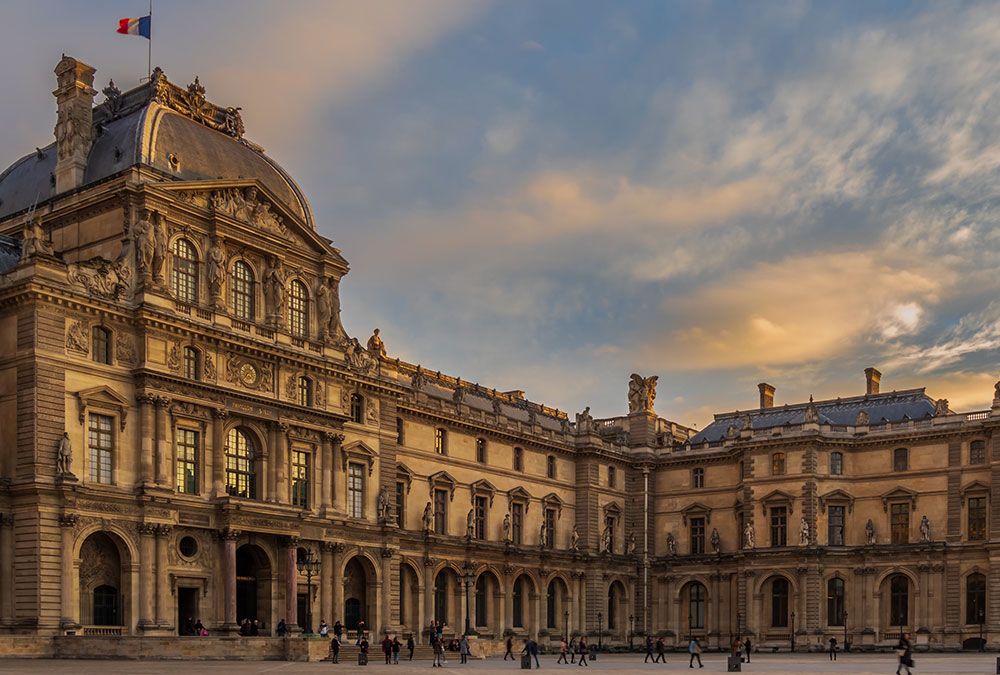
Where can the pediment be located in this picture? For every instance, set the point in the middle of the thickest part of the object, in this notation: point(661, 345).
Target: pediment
point(483, 487)
point(552, 500)
point(404, 474)
point(102, 397)
point(358, 451)
point(899, 494)
point(520, 495)
point(777, 496)
point(443, 479)
point(836, 496)
point(612, 508)
point(976, 488)
point(696, 509)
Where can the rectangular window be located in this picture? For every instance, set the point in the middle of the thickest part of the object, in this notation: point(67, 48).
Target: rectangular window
point(836, 463)
point(356, 490)
point(612, 478)
point(400, 503)
point(977, 518)
point(900, 523)
point(551, 467)
point(300, 479)
point(480, 515)
point(779, 526)
point(778, 464)
point(697, 536)
point(481, 450)
point(440, 442)
point(900, 459)
point(400, 439)
point(441, 511)
point(550, 528)
point(697, 478)
point(835, 526)
point(518, 459)
point(101, 443)
point(977, 452)
point(516, 523)
point(187, 461)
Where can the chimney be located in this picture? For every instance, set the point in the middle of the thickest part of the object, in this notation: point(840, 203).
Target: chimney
point(74, 121)
point(766, 395)
point(872, 378)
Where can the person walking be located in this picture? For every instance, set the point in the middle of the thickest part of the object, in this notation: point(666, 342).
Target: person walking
point(562, 651)
point(335, 649)
point(387, 649)
point(905, 652)
point(747, 648)
point(463, 649)
point(396, 646)
point(510, 646)
point(583, 654)
point(661, 650)
point(531, 649)
point(438, 649)
point(649, 650)
point(573, 648)
point(694, 648)
point(410, 645)
point(833, 649)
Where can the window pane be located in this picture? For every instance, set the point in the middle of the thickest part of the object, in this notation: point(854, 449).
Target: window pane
point(300, 478)
point(835, 602)
point(100, 442)
point(480, 515)
point(441, 511)
point(242, 291)
point(975, 599)
point(977, 452)
point(900, 459)
point(779, 602)
point(101, 345)
point(977, 518)
point(899, 601)
point(697, 536)
point(440, 441)
point(516, 522)
point(835, 531)
point(298, 309)
point(240, 476)
point(696, 600)
point(184, 277)
point(836, 463)
point(777, 464)
point(400, 503)
point(900, 521)
point(355, 490)
point(779, 525)
point(304, 391)
point(187, 461)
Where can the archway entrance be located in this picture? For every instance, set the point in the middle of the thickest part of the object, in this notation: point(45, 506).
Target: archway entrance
point(103, 588)
point(359, 594)
point(253, 585)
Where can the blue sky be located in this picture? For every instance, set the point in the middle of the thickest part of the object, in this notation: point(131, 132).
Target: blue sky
point(549, 196)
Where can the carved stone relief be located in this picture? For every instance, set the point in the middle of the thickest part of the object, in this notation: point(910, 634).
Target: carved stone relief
point(78, 337)
point(124, 349)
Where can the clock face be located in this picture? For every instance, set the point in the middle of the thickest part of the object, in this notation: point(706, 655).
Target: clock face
point(248, 374)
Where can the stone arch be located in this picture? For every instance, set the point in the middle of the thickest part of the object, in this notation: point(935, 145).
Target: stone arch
point(886, 601)
point(255, 573)
point(410, 596)
point(524, 601)
point(905, 571)
point(555, 614)
point(488, 598)
point(694, 602)
point(447, 593)
point(777, 593)
point(679, 586)
point(616, 606)
point(103, 564)
point(361, 585)
point(793, 586)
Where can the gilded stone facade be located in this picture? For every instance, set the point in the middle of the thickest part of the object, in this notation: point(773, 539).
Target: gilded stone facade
point(185, 420)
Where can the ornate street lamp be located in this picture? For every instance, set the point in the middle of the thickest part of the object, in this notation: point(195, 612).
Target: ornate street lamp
point(793, 631)
point(308, 565)
point(600, 624)
point(631, 630)
point(566, 621)
point(467, 578)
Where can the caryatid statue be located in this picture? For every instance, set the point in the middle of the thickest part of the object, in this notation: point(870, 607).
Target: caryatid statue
point(748, 536)
point(804, 532)
point(574, 540)
point(925, 529)
point(470, 523)
point(641, 393)
point(428, 517)
point(716, 540)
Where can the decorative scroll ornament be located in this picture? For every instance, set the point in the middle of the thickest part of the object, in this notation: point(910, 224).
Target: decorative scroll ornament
point(192, 103)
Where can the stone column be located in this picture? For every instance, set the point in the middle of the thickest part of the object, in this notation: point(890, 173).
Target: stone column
point(147, 582)
point(219, 451)
point(338, 582)
point(508, 600)
point(385, 620)
point(291, 584)
point(281, 465)
point(326, 582)
point(69, 582)
point(229, 538)
point(164, 606)
point(326, 474)
point(163, 473)
point(428, 593)
point(338, 490)
point(147, 432)
point(271, 467)
point(922, 622)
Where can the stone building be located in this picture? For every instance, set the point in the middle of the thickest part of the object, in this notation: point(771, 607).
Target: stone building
point(190, 432)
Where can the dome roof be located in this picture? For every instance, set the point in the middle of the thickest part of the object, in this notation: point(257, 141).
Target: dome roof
point(159, 125)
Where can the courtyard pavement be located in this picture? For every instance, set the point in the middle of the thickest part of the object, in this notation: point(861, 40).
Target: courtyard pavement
point(849, 664)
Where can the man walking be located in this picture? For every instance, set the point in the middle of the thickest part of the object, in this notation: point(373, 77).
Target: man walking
point(649, 650)
point(410, 645)
point(510, 646)
point(694, 648)
point(438, 648)
point(583, 654)
point(387, 649)
point(660, 651)
point(747, 648)
point(833, 649)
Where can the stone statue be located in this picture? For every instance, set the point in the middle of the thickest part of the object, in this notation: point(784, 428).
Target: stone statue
point(811, 415)
point(428, 517)
point(574, 540)
point(274, 291)
point(358, 358)
point(584, 421)
point(925, 529)
point(470, 523)
point(324, 309)
point(375, 346)
point(335, 328)
point(506, 527)
point(716, 541)
point(606, 542)
point(145, 243)
point(384, 512)
point(732, 431)
point(671, 544)
point(862, 419)
point(34, 241)
point(641, 393)
point(543, 536)
point(748, 536)
point(630, 547)
point(870, 532)
point(804, 532)
point(941, 407)
point(159, 247)
point(996, 395)
point(746, 423)
point(216, 269)
point(64, 456)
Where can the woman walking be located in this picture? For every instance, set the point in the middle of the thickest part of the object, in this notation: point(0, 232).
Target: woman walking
point(583, 654)
point(905, 652)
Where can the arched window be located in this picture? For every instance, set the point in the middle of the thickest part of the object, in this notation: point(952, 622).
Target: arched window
point(612, 606)
point(518, 603)
point(835, 602)
point(184, 277)
point(303, 391)
point(836, 463)
point(977, 452)
point(357, 408)
point(298, 309)
point(696, 605)
point(101, 345)
point(190, 364)
point(242, 291)
point(778, 464)
point(900, 459)
point(518, 459)
point(697, 478)
point(550, 466)
point(899, 601)
point(975, 599)
point(550, 606)
point(779, 602)
point(240, 475)
point(481, 600)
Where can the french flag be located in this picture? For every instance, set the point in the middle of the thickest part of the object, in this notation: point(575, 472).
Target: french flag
point(137, 26)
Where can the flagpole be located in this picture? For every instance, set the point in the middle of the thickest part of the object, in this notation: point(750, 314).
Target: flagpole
point(149, 47)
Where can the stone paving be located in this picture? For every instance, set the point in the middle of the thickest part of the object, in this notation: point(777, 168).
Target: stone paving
point(851, 664)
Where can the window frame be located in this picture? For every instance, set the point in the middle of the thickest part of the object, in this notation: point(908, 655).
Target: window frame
point(357, 408)
point(835, 601)
point(780, 602)
point(101, 455)
point(899, 601)
point(832, 526)
point(186, 452)
point(974, 609)
point(303, 391)
point(549, 518)
point(977, 452)
point(241, 461)
point(518, 459)
point(441, 441)
point(242, 288)
point(481, 450)
point(899, 522)
point(778, 463)
point(481, 511)
point(517, 511)
point(697, 478)
point(612, 477)
point(836, 463)
point(101, 339)
point(356, 489)
point(778, 525)
point(696, 534)
point(696, 605)
point(298, 309)
point(400, 504)
point(184, 268)
point(441, 499)
point(191, 362)
point(301, 461)
point(981, 507)
point(900, 460)
point(550, 467)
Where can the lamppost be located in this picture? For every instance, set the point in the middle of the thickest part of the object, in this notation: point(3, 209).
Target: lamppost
point(631, 630)
point(600, 625)
point(846, 643)
point(981, 613)
point(467, 578)
point(793, 631)
point(566, 621)
point(308, 565)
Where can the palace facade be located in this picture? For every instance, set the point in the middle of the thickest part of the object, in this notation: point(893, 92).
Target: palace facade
point(188, 431)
